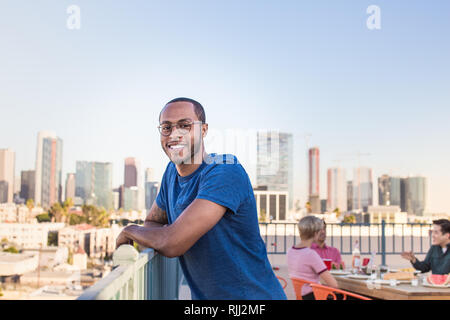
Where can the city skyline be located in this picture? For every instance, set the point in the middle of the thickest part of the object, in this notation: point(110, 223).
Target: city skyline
point(375, 190)
point(305, 68)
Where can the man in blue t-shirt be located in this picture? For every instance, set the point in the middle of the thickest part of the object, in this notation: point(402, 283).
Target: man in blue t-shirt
point(205, 214)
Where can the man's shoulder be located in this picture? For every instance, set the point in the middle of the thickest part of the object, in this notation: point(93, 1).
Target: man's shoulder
point(333, 248)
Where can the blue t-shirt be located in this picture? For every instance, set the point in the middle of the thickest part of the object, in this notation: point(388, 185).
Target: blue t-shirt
point(230, 260)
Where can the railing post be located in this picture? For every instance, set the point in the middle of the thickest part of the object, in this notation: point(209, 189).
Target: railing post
point(126, 255)
point(383, 242)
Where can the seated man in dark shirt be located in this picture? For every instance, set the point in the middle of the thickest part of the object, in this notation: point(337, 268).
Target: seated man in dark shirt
point(438, 257)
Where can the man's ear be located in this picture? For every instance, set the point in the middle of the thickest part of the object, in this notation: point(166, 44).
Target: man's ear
point(205, 130)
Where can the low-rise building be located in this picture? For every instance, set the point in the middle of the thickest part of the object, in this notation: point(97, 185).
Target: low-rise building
point(390, 214)
point(50, 256)
point(271, 205)
point(12, 213)
point(54, 292)
point(12, 264)
point(95, 242)
point(80, 259)
point(50, 277)
point(28, 235)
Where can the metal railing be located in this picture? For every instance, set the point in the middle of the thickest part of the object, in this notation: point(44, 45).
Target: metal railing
point(150, 276)
point(382, 238)
point(144, 276)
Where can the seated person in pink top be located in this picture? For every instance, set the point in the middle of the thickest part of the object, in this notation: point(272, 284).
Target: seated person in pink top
point(327, 252)
point(304, 263)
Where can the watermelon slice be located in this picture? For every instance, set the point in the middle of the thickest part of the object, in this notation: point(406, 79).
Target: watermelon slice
point(438, 279)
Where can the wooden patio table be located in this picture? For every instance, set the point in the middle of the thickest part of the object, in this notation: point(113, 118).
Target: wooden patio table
point(403, 291)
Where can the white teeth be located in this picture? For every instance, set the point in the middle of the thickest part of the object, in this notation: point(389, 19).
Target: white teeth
point(178, 146)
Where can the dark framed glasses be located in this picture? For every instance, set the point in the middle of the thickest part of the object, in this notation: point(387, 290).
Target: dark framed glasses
point(182, 127)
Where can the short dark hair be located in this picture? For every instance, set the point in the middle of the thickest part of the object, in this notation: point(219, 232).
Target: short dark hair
point(445, 225)
point(198, 108)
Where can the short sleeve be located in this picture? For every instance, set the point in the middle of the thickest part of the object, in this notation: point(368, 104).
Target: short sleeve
point(317, 263)
point(225, 184)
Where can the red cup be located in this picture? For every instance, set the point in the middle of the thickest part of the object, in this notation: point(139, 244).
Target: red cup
point(328, 263)
point(365, 262)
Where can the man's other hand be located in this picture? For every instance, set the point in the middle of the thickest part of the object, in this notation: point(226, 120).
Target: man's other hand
point(408, 255)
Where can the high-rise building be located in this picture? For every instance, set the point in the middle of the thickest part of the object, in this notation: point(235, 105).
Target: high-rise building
point(131, 176)
point(350, 195)
point(337, 190)
point(7, 174)
point(151, 188)
point(362, 189)
point(28, 184)
point(48, 173)
point(403, 182)
point(149, 175)
point(314, 172)
point(131, 198)
point(3, 192)
point(415, 192)
point(70, 186)
point(93, 183)
point(151, 191)
point(274, 167)
point(389, 191)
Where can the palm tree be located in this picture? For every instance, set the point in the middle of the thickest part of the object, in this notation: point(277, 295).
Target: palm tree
point(337, 211)
point(56, 212)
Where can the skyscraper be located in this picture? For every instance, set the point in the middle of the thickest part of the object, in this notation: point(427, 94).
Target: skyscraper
point(151, 191)
point(415, 195)
point(337, 189)
point(48, 173)
point(151, 188)
point(362, 189)
point(389, 191)
point(131, 176)
point(314, 173)
point(350, 195)
point(7, 174)
point(93, 183)
point(27, 183)
point(274, 167)
point(70, 186)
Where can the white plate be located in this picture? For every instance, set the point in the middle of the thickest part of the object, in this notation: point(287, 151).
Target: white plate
point(358, 276)
point(339, 272)
point(379, 281)
point(398, 270)
point(436, 285)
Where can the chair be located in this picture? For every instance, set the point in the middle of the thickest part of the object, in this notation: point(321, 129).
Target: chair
point(322, 292)
point(283, 282)
point(298, 285)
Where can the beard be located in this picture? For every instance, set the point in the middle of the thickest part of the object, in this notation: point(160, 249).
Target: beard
point(189, 154)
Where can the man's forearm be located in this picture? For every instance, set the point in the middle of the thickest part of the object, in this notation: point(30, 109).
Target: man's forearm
point(153, 236)
point(420, 265)
point(149, 224)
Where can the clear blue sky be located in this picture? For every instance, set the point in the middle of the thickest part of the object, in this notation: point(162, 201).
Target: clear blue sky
point(297, 66)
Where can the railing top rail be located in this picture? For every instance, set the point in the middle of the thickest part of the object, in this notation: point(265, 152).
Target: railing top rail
point(105, 288)
point(352, 224)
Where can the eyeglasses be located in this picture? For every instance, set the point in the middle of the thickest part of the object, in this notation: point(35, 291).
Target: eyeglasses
point(183, 128)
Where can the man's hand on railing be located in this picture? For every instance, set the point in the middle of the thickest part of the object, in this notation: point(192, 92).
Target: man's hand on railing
point(123, 239)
